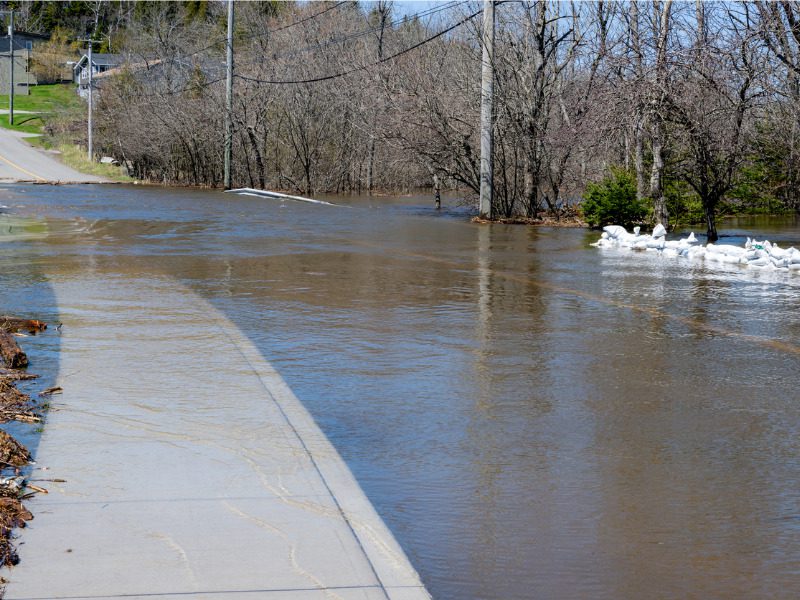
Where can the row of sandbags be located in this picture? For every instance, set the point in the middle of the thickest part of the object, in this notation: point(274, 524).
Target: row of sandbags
point(754, 253)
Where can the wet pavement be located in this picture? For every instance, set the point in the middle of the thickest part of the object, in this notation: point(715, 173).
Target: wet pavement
point(530, 416)
point(160, 496)
point(20, 161)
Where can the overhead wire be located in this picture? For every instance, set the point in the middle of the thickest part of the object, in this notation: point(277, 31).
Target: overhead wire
point(397, 22)
point(364, 32)
point(182, 57)
point(254, 35)
point(361, 67)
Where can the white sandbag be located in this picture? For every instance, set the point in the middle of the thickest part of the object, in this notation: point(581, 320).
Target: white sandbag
point(615, 231)
point(726, 249)
point(755, 253)
point(760, 262)
point(777, 252)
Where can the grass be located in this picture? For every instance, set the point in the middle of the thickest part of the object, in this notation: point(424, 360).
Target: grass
point(46, 99)
point(75, 157)
point(23, 123)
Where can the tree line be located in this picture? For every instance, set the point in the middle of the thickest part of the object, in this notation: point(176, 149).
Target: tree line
point(688, 109)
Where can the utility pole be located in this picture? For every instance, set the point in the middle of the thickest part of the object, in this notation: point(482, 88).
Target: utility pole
point(487, 92)
point(91, 104)
point(11, 78)
point(229, 100)
point(89, 44)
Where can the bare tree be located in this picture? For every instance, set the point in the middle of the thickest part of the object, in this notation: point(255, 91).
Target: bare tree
point(712, 102)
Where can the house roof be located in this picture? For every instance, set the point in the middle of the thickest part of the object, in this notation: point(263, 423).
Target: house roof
point(110, 60)
point(28, 34)
point(101, 60)
point(20, 40)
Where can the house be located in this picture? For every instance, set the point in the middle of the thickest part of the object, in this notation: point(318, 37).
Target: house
point(23, 77)
point(100, 64)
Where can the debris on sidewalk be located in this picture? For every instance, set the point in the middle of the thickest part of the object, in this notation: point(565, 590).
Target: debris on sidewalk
point(10, 351)
point(15, 405)
point(12, 453)
point(15, 324)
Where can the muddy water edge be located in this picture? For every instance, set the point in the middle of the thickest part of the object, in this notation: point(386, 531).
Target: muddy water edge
point(28, 367)
point(532, 417)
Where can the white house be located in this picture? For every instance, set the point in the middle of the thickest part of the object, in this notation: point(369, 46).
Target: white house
point(100, 64)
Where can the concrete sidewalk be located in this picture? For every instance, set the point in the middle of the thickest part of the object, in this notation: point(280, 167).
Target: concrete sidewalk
point(192, 469)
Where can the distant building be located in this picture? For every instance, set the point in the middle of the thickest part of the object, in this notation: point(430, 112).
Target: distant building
point(23, 77)
point(100, 64)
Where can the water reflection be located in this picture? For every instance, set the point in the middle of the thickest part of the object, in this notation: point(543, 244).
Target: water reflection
point(25, 290)
point(532, 417)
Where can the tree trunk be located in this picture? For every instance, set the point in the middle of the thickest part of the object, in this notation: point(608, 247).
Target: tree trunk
point(259, 160)
point(641, 180)
point(370, 164)
point(711, 220)
point(531, 190)
point(638, 127)
point(657, 174)
point(657, 179)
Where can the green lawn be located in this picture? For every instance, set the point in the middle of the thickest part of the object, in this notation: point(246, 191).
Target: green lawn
point(23, 123)
point(46, 99)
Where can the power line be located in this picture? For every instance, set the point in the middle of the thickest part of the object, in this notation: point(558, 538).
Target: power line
point(255, 35)
point(363, 67)
point(314, 16)
point(428, 12)
point(401, 21)
point(357, 34)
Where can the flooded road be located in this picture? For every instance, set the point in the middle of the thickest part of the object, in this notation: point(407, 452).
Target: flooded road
point(532, 417)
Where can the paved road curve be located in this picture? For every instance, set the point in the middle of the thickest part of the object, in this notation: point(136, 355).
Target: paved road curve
point(21, 162)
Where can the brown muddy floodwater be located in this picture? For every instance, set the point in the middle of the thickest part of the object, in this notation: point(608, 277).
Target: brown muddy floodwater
point(532, 417)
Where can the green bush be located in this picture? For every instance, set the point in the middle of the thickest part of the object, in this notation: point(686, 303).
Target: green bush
point(612, 201)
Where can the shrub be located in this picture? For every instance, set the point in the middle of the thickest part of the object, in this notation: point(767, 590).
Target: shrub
point(612, 201)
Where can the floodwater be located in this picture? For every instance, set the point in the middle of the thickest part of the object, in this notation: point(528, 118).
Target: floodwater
point(532, 417)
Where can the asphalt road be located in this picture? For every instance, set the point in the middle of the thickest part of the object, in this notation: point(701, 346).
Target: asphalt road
point(21, 162)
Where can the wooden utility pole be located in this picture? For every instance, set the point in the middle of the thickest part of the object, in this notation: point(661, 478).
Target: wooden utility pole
point(229, 101)
point(487, 92)
point(658, 103)
point(89, 127)
point(91, 104)
point(11, 77)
